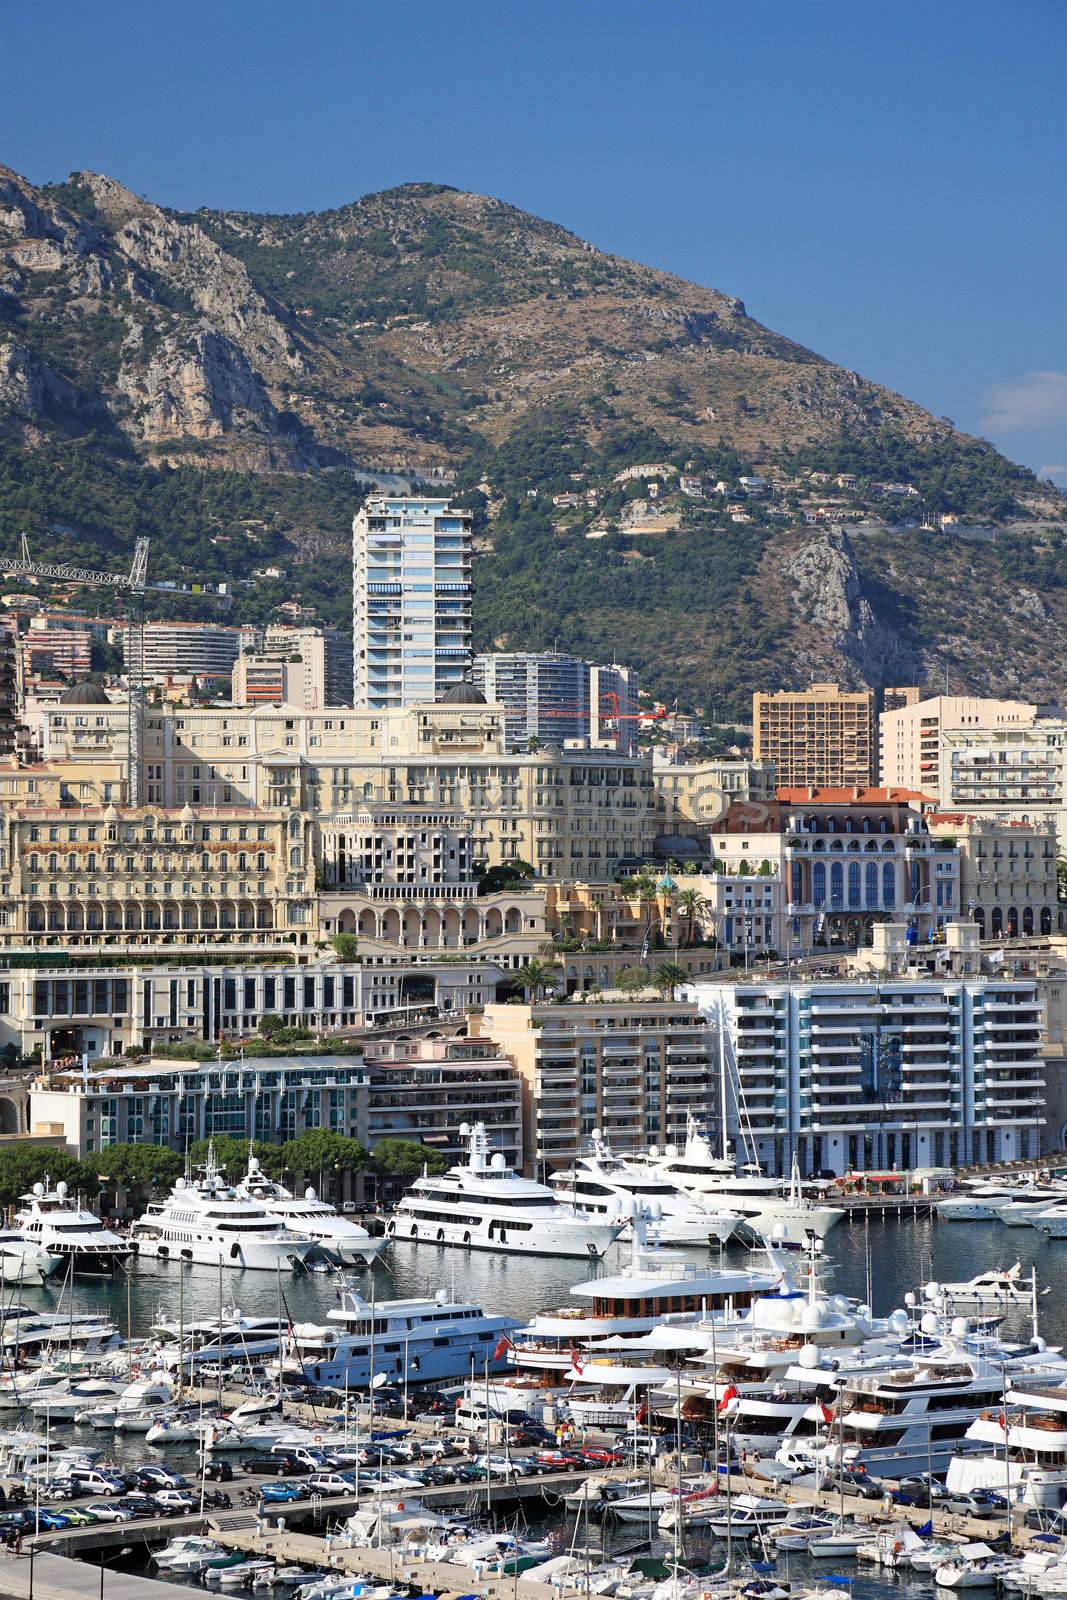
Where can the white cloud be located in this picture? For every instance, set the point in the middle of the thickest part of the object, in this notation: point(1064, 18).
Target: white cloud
point(1034, 400)
point(1057, 472)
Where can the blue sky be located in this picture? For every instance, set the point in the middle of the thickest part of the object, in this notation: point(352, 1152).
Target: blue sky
point(883, 183)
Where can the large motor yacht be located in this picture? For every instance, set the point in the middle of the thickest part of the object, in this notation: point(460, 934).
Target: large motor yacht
point(769, 1206)
point(346, 1242)
point(1025, 1453)
point(53, 1221)
point(626, 1333)
point(915, 1417)
point(204, 1219)
point(407, 1341)
point(484, 1205)
point(599, 1181)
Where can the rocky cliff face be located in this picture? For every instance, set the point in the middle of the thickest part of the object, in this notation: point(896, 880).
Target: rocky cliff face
point(172, 342)
point(397, 329)
point(828, 595)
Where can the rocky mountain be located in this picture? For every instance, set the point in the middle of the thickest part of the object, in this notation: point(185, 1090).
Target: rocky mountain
point(175, 371)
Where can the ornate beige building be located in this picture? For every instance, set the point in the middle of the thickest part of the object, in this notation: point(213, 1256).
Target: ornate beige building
point(569, 813)
point(89, 874)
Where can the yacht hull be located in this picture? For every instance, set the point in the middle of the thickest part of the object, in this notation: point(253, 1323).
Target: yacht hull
point(474, 1233)
point(251, 1255)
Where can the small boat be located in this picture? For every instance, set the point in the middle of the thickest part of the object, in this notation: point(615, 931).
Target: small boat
point(975, 1567)
point(190, 1553)
point(841, 1543)
point(997, 1287)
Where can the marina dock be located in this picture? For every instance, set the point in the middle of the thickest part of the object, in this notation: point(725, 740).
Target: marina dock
point(59, 1578)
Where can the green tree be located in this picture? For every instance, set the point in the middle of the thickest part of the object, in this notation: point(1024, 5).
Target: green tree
point(508, 875)
point(23, 1165)
point(1061, 878)
point(631, 980)
point(346, 946)
point(668, 976)
point(137, 1165)
point(322, 1150)
point(405, 1158)
point(537, 976)
point(270, 1024)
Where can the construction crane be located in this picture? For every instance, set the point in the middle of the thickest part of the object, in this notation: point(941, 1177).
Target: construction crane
point(134, 584)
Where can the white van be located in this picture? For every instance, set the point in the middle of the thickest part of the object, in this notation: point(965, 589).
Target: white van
point(474, 1416)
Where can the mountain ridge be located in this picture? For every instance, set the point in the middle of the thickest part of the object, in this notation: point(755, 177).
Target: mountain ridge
point(426, 330)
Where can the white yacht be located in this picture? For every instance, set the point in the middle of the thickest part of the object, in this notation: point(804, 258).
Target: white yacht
point(1026, 1448)
point(410, 1341)
point(235, 1341)
point(24, 1263)
point(627, 1334)
point(346, 1242)
point(979, 1202)
point(1052, 1221)
point(915, 1418)
point(599, 1181)
point(484, 1205)
point(766, 1205)
point(205, 1220)
point(53, 1221)
point(996, 1289)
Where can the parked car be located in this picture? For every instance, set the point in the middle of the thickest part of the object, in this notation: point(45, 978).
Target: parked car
point(1047, 1521)
point(280, 1466)
point(174, 1502)
point(219, 1472)
point(281, 1493)
point(332, 1483)
point(978, 1503)
point(109, 1511)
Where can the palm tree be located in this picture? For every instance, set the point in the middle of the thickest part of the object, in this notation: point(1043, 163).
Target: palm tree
point(692, 902)
point(537, 976)
point(648, 894)
point(668, 976)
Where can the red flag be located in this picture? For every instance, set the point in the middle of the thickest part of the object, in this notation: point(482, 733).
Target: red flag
point(827, 1412)
point(502, 1345)
point(642, 1411)
point(1002, 1420)
point(576, 1362)
point(729, 1395)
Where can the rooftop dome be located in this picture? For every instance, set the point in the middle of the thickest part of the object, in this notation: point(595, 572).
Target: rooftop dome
point(462, 694)
point(84, 694)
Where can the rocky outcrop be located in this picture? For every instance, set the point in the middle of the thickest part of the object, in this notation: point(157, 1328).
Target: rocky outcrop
point(829, 595)
point(29, 390)
point(192, 266)
point(200, 388)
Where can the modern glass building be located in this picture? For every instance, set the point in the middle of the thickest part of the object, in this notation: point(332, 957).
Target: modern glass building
point(411, 600)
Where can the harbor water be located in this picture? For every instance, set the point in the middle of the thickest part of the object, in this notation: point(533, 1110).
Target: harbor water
point(878, 1258)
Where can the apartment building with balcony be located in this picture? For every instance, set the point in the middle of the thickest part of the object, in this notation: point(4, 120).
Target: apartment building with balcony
point(634, 1068)
point(1008, 882)
point(426, 1089)
point(1008, 772)
point(910, 736)
point(876, 1075)
point(175, 1103)
point(411, 600)
point(822, 735)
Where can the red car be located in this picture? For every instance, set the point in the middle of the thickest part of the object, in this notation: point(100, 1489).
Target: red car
point(559, 1458)
point(602, 1457)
